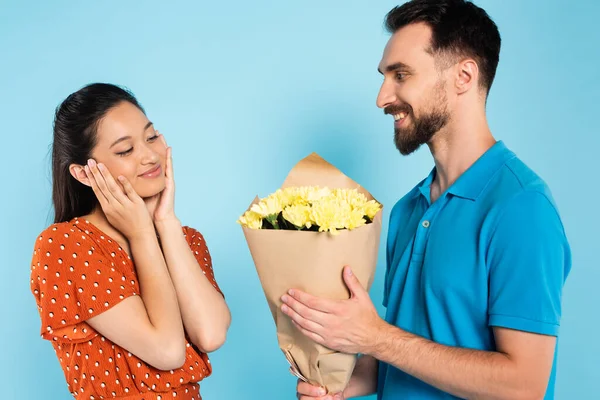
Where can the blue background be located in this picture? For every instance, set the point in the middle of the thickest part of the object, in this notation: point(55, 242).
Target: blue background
point(242, 91)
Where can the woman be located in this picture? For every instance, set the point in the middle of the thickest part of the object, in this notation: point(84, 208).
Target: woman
point(126, 294)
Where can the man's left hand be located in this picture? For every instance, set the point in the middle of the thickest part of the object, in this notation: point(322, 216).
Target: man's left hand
point(349, 326)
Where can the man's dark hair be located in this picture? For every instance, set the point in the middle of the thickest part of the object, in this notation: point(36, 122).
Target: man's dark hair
point(459, 29)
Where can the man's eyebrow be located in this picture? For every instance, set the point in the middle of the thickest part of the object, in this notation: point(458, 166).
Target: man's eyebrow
point(394, 67)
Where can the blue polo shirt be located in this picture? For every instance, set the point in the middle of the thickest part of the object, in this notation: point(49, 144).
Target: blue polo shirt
point(490, 251)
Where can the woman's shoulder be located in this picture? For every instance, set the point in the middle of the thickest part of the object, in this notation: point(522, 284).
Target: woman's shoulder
point(61, 240)
point(56, 229)
point(193, 236)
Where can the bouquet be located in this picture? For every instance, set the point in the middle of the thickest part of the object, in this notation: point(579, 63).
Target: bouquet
point(301, 236)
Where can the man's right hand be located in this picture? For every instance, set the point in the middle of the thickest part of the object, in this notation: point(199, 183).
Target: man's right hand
point(306, 391)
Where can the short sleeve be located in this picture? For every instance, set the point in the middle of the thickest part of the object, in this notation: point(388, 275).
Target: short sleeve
point(529, 259)
point(73, 280)
point(200, 250)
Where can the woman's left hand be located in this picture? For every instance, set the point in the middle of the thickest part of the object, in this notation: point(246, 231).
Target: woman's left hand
point(162, 205)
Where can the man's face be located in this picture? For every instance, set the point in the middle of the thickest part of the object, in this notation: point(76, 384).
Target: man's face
point(414, 88)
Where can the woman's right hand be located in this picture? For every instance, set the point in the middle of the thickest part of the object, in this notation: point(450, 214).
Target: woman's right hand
point(124, 208)
point(306, 391)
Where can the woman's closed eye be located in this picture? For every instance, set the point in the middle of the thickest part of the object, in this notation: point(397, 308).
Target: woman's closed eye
point(126, 152)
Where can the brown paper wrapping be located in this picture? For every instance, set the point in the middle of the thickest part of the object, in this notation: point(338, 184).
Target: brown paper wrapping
point(313, 262)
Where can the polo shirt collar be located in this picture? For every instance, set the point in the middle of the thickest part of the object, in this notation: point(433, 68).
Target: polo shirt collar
point(472, 182)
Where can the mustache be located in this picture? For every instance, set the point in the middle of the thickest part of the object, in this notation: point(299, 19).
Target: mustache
point(397, 109)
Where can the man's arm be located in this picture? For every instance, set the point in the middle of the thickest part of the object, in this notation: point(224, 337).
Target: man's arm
point(519, 369)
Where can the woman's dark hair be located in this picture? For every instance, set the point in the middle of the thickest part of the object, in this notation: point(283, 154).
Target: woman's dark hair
point(75, 128)
point(459, 28)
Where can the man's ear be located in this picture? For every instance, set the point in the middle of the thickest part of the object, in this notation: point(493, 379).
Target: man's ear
point(467, 75)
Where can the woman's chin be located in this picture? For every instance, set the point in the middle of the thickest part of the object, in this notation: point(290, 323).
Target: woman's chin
point(150, 189)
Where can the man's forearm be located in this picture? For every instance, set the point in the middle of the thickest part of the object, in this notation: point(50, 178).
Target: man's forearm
point(364, 378)
point(466, 373)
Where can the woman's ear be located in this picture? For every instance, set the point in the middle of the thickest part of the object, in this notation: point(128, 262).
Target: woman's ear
point(78, 172)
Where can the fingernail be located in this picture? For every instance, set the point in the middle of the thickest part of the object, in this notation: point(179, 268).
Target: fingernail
point(284, 298)
point(91, 162)
point(284, 308)
point(321, 392)
point(291, 292)
point(349, 271)
point(101, 167)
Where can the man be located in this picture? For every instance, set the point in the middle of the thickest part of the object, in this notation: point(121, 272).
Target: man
point(476, 253)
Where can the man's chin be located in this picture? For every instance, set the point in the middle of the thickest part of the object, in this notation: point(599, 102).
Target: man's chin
point(405, 147)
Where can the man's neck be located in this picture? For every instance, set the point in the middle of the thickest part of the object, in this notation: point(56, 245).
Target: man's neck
point(456, 148)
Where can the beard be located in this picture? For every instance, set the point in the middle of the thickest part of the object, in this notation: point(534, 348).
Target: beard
point(424, 127)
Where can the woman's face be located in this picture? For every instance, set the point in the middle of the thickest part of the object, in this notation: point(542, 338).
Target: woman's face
point(128, 145)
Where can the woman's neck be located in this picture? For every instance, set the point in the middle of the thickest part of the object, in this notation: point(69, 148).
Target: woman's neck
point(98, 218)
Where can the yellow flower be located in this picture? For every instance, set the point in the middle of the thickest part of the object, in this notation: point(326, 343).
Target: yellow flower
point(356, 219)
point(330, 214)
point(251, 220)
point(371, 208)
point(269, 206)
point(298, 214)
point(331, 210)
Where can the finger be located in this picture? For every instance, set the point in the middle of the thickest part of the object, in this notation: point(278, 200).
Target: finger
point(99, 195)
point(302, 321)
point(316, 303)
point(352, 282)
point(304, 311)
point(162, 138)
point(100, 182)
point(305, 388)
point(112, 186)
point(310, 334)
point(169, 169)
point(128, 189)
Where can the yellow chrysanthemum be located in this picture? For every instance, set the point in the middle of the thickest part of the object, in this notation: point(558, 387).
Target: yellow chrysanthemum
point(269, 206)
point(299, 215)
point(330, 214)
point(306, 206)
point(371, 208)
point(251, 220)
point(356, 219)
